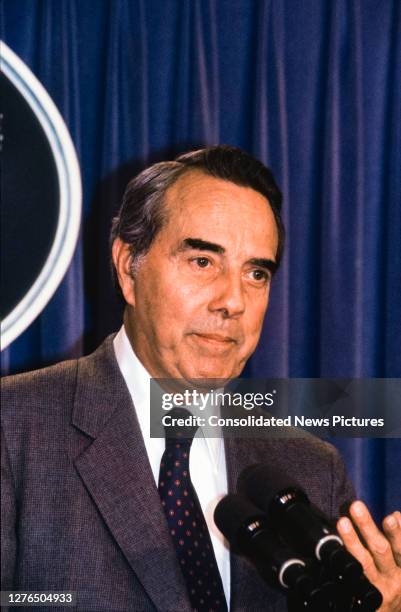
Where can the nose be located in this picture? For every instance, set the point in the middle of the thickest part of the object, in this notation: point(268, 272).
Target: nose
point(228, 297)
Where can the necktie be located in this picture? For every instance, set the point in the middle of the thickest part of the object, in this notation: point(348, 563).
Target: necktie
point(187, 524)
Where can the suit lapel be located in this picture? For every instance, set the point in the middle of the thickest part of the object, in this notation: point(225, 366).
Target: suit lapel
point(116, 471)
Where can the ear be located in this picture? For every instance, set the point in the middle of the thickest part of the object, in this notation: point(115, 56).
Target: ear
point(122, 260)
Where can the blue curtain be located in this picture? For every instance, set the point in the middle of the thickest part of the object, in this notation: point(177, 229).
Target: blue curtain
point(310, 87)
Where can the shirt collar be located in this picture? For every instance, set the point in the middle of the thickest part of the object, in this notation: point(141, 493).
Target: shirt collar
point(137, 379)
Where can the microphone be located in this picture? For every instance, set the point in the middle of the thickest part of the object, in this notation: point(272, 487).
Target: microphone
point(300, 523)
point(245, 527)
point(366, 596)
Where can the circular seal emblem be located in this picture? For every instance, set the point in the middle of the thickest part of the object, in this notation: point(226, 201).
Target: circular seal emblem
point(41, 197)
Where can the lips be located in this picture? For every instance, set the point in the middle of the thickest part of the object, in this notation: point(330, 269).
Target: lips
point(217, 338)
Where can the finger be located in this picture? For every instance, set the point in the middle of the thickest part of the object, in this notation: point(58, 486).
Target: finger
point(392, 528)
point(353, 544)
point(377, 543)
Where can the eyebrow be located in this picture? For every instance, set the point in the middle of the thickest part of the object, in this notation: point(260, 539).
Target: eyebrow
point(268, 264)
point(204, 245)
point(201, 245)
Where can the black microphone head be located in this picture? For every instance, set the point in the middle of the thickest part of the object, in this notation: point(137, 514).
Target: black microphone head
point(367, 597)
point(262, 483)
point(232, 514)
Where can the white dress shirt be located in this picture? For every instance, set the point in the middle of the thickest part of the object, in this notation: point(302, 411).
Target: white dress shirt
point(207, 457)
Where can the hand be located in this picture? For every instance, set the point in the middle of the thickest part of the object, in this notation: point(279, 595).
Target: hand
point(381, 556)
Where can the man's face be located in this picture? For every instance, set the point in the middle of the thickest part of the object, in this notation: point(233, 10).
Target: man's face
point(197, 303)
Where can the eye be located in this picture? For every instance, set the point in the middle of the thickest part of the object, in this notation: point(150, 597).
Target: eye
point(261, 276)
point(201, 262)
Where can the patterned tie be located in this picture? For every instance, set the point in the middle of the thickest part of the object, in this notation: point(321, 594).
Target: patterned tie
point(187, 524)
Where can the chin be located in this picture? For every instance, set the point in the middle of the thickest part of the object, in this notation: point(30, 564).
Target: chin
point(220, 375)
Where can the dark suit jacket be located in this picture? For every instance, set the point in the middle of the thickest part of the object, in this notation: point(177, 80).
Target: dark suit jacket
point(80, 508)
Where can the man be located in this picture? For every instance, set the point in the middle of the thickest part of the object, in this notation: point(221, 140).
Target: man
point(194, 249)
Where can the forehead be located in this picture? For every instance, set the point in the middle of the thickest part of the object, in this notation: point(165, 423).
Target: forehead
point(202, 206)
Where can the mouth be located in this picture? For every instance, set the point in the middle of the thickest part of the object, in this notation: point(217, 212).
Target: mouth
point(218, 340)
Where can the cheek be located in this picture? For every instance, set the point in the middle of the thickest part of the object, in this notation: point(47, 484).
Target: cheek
point(253, 327)
point(165, 308)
